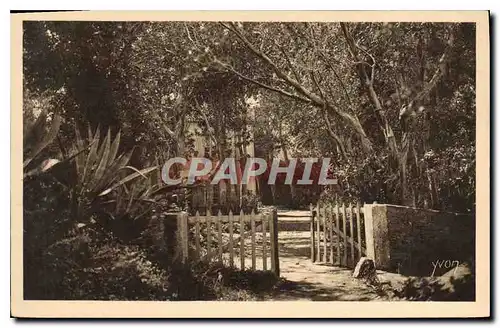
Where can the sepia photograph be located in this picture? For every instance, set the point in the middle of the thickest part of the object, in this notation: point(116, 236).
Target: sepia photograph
point(251, 160)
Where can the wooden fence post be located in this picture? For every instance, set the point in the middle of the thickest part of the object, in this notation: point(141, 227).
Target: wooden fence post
point(182, 236)
point(313, 241)
point(170, 235)
point(273, 231)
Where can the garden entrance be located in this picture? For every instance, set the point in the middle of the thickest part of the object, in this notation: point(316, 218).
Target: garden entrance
point(337, 234)
point(244, 241)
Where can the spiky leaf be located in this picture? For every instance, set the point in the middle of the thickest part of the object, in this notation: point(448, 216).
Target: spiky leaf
point(114, 149)
point(47, 139)
point(103, 161)
point(130, 177)
point(91, 158)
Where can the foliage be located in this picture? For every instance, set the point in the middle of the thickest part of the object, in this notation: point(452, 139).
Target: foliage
point(309, 95)
point(38, 134)
point(101, 171)
point(392, 104)
point(456, 285)
point(217, 282)
point(86, 266)
point(90, 265)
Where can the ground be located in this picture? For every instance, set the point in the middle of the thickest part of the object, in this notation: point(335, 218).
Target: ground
point(313, 281)
point(301, 279)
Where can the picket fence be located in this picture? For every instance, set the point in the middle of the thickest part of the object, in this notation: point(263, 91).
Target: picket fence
point(337, 234)
point(230, 239)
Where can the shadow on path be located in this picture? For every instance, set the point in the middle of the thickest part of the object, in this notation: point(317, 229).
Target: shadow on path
point(304, 280)
point(292, 290)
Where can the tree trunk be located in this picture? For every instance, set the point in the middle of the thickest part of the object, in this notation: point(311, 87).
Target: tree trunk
point(367, 82)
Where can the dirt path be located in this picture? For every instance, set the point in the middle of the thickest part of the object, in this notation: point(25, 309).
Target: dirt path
point(313, 281)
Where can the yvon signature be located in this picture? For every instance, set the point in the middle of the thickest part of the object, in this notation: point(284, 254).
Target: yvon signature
point(447, 264)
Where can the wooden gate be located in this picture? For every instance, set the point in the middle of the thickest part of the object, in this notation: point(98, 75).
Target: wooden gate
point(230, 239)
point(337, 234)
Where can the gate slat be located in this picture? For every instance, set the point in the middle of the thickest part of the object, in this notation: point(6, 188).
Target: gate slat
point(358, 228)
point(325, 234)
point(252, 225)
point(242, 241)
point(351, 230)
point(318, 231)
point(197, 236)
point(208, 221)
point(330, 225)
point(219, 232)
point(337, 225)
point(344, 242)
point(231, 248)
point(311, 228)
point(264, 245)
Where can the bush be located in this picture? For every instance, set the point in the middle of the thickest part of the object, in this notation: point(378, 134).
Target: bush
point(93, 265)
point(204, 281)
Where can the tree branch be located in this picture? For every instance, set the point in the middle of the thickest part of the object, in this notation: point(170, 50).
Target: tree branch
point(368, 82)
point(169, 131)
point(329, 128)
point(372, 65)
point(189, 35)
point(310, 97)
point(295, 84)
point(265, 86)
point(437, 74)
point(205, 118)
point(289, 62)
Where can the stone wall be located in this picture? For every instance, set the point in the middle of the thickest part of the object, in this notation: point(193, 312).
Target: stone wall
point(416, 241)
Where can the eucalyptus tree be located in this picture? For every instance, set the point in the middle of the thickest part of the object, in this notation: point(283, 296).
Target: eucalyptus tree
point(376, 86)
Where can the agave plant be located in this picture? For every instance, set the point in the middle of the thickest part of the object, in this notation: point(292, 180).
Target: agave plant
point(103, 177)
point(37, 137)
point(35, 140)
